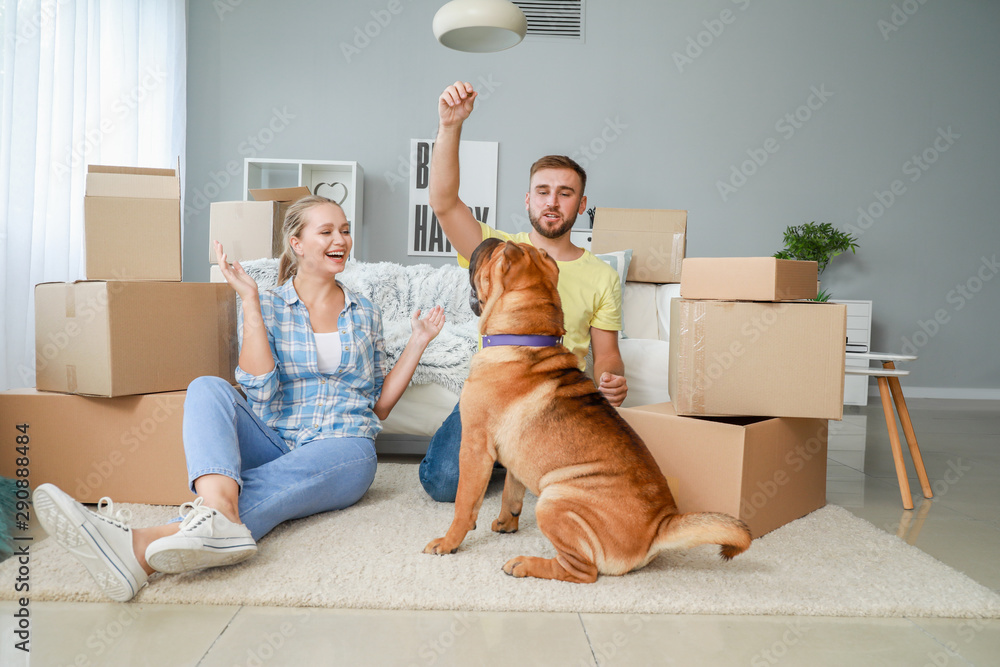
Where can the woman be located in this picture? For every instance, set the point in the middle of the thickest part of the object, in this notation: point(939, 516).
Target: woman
point(312, 366)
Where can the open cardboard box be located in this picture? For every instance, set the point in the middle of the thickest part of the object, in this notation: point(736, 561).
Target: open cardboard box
point(284, 196)
point(132, 223)
point(246, 229)
point(739, 358)
point(127, 448)
point(766, 471)
point(657, 238)
point(114, 338)
point(748, 279)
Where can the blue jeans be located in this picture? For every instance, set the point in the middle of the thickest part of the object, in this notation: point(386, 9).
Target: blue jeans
point(223, 436)
point(439, 469)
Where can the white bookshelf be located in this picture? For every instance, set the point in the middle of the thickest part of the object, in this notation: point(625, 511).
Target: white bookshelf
point(276, 173)
point(859, 332)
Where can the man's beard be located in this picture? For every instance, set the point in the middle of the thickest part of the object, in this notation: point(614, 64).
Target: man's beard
point(554, 233)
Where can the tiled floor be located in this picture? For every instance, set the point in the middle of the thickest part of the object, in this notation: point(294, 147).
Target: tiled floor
point(961, 445)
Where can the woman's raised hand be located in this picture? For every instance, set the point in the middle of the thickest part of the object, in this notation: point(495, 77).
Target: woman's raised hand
point(426, 328)
point(237, 278)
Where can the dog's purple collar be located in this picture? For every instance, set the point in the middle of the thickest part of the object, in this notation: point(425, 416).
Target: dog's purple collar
point(515, 339)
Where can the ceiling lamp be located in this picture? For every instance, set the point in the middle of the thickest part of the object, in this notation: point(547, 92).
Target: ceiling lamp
point(480, 26)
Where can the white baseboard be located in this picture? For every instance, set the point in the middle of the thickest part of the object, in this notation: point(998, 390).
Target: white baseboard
point(945, 392)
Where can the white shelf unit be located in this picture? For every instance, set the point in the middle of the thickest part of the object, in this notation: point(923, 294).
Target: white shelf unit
point(581, 237)
point(275, 173)
point(859, 332)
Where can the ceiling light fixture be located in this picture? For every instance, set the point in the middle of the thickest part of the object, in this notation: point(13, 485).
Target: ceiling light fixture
point(480, 26)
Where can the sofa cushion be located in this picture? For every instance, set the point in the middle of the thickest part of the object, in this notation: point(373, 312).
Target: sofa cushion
point(639, 310)
point(420, 411)
point(646, 309)
point(619, 261)
point(646, 363)
point(664, 295)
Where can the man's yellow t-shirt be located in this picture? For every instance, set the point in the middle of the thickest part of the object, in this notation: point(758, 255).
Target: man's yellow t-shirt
point(590, 291)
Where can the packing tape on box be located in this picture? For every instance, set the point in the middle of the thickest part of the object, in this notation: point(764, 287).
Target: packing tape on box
point(691, 372)
point(70, 303)
point(678, 257)
point(71, 385)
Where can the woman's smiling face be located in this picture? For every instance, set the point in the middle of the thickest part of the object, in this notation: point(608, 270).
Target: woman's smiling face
point(325, 242)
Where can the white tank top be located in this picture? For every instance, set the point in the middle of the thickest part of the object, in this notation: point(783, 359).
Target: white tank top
point(328, 351)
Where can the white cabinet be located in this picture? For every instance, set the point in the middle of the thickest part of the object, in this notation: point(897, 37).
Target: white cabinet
point(581, 237)
point(859, 338)
point(339, 180)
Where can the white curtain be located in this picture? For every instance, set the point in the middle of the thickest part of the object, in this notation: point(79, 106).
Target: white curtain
point(84, 82)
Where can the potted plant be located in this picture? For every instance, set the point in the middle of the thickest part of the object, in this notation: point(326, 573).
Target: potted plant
point(818, 243)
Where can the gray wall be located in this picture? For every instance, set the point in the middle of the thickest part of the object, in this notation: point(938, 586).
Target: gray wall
point(677, 129)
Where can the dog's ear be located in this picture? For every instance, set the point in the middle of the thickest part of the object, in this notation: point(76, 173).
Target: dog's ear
point(546, 260)
point(513, 253)
point(516, 257)
point(547, 265)
point(480, 256)
point(482, 253)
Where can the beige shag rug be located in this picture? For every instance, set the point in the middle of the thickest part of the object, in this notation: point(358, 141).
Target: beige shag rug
point(829, 563)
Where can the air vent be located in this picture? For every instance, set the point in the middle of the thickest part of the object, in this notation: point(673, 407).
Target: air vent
point(556, 19)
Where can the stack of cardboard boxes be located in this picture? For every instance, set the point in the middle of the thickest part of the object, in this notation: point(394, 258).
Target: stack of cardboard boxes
point(756, 371)
point(114, 353)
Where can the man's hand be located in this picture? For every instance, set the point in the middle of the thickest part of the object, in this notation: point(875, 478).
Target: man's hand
point(614, 388)
point(455, 218)
point(455, 103)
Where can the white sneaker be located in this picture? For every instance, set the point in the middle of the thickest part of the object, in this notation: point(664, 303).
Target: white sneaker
point(206, 539)
point(102, 541)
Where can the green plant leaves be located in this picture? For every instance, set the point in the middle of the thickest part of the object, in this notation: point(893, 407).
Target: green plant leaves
point(816, 242)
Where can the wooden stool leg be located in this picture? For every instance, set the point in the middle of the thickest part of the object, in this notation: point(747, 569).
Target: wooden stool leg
point(911, 436)
point(897, 449)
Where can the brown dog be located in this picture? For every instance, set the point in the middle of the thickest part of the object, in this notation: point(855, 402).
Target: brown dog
point(602, 500)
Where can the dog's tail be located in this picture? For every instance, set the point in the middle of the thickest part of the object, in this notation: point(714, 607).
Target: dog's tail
point(683, 531)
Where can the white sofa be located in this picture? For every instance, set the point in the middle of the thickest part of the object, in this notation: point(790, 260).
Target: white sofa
point(644, 347)
point(426, 403)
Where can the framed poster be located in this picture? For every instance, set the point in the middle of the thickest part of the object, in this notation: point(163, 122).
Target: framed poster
point(478, 189)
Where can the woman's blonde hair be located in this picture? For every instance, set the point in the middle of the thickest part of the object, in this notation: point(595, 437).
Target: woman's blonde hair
point(295, 220)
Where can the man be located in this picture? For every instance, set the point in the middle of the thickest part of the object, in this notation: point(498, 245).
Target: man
point(589, 289)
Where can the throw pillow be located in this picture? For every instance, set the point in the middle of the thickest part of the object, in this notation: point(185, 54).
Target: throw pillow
point(619, 261)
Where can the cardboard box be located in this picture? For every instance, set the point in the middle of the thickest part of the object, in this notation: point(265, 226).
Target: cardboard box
point(116, 338)
point(132, 222)
point(765, 471)
point(128, 448)
point(748, 279)
point(737, 358)
point(246, 229)
point(284, 196)
point(657, 238)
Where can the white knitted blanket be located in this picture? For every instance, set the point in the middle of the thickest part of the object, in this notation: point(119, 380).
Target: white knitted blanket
point(398, 291)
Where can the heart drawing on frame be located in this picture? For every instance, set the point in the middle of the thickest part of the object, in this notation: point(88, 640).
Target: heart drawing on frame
point(340, 202)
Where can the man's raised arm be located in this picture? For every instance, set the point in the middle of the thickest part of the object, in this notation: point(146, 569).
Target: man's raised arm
point(457, 221)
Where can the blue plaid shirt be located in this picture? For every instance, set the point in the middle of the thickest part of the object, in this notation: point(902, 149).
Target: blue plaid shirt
point(295, 398)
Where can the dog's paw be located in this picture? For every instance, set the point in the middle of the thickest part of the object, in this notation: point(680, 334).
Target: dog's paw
point(500, 526)
point(435, 547)
point(514, 567)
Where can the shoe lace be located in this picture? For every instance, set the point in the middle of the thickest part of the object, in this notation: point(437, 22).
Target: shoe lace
point(194, 513)
point(121, 517)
